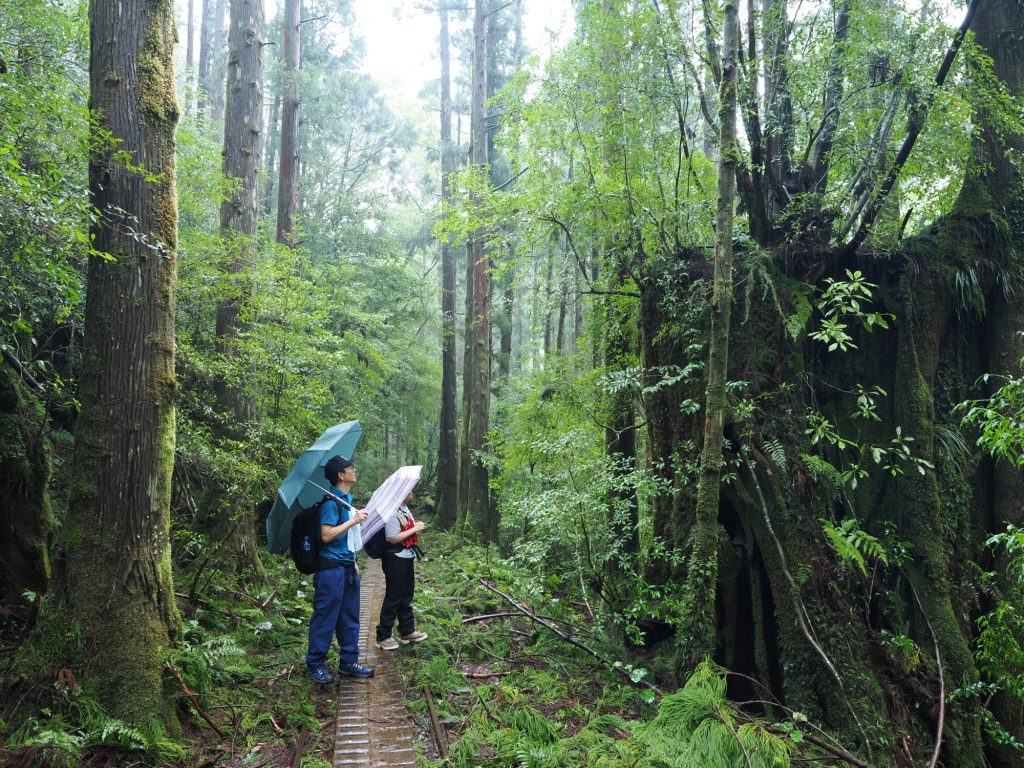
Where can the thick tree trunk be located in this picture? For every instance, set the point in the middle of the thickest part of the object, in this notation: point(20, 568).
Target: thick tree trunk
point(480, 519)
point(447, 456)
point(288, 164)
point(243, 146)
point(994, 179)
point(116, 565)
point(670, 430)
point(25, 519)
point(698, 623)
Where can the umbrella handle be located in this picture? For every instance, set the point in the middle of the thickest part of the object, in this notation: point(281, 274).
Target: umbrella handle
point(331, 494)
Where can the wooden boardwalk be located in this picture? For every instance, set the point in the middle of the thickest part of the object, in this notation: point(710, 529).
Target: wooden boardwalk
point(374, 729)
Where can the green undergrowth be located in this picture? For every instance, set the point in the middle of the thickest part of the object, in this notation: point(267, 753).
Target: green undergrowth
point(510, 692)
point(238, 682)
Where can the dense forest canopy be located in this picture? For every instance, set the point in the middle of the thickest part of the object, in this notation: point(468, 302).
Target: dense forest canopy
point(708, 322)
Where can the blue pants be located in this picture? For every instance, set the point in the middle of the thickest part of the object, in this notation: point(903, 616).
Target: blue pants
point(335, 612)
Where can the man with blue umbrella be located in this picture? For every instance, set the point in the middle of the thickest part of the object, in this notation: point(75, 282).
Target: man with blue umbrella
point(304, 485)
point(336, 586)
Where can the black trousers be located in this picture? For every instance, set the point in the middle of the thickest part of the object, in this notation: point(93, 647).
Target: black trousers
point(400, 583)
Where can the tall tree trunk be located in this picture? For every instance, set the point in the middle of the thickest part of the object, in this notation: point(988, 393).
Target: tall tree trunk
point(833, 96)
point(116, 569)
point(698, 622)
point(468, 382)
point(778, 103)
point(218, 63)
point(994, 178)
point(618, 343)
point(243, 146)
point(270, 169)
point(549, 269)
point(507, 311)
point(288, 177)
point(190, 25)
point(190, 59)
point(447, 456)
point(205, 52)
point(477, 373)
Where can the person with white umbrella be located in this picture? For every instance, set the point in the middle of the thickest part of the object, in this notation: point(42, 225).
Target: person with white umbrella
point(398, 563)
point(336, 588)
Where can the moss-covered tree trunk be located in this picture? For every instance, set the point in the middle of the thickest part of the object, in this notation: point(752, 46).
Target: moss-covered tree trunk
point(25, 519)
point(116, 569)
point(995, 182)
point(698, 636)
point(783, 607)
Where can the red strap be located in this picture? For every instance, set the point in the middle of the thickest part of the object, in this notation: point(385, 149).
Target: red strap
point(407, 522)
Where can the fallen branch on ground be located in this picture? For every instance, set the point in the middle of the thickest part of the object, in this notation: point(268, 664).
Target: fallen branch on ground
point(195, 700)
point(300, 747)
point(486, 616)
point(572, 641)
point(439, 735)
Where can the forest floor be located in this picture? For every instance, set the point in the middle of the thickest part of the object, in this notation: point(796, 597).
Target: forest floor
point(488, 686)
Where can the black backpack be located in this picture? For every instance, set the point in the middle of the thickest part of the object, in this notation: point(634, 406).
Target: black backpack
point(305, 545)
point(378, 545)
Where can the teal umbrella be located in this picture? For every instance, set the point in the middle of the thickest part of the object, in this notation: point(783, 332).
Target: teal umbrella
point(306, 484)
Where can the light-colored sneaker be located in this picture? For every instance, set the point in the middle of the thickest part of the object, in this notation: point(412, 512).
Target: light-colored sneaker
point(415, 637)
point(388, 644)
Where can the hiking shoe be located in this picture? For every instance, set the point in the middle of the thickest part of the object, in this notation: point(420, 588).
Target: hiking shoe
point(414, 637)
point(388, 644)
point(319, 674)
point(354, 669)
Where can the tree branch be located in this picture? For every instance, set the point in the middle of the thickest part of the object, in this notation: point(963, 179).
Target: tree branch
point(22, 371)
point(915, 130)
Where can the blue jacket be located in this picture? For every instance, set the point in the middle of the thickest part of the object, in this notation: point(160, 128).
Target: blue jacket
point(330, 515)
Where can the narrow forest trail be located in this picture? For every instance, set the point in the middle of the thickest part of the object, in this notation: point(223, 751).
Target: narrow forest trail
point(373, 727)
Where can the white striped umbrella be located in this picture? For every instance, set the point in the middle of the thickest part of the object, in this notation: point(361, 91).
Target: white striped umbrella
point(387, 498)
